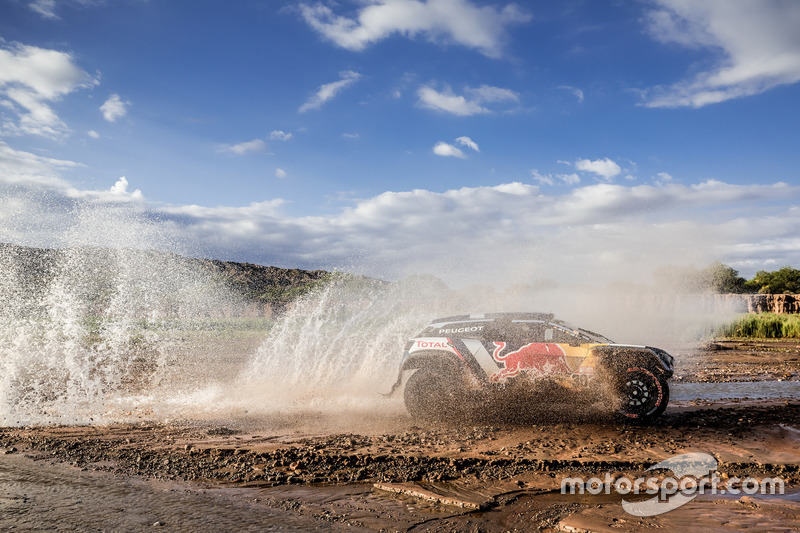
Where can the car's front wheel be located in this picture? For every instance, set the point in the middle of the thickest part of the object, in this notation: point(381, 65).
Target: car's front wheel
point(433, 395)
point(643, 394)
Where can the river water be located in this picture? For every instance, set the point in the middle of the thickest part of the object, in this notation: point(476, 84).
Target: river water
point(735, 390)
point(38, 496)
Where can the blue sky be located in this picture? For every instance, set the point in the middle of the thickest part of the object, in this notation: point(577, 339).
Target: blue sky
point(573, 140)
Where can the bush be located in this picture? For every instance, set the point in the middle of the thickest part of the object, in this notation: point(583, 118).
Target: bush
point(783, 281)
point(763, 326)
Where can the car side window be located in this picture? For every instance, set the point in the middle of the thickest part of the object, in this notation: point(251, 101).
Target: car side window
point(563, 336)
point(525, 332)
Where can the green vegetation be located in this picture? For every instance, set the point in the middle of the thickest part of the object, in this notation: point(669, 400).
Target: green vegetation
point(724, 279)
point(94, 324)
point(284, 294)
point(783, 281)
point(140, 333)
point(763, 326)
point(220, 324)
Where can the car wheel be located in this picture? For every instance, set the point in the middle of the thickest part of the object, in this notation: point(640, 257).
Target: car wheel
point(433, 396)
point(643, 394)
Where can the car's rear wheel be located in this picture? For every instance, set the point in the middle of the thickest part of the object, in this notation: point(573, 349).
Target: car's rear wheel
point(434, 395)
point(643, 394)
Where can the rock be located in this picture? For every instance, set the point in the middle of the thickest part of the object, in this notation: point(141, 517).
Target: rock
point(222, 431)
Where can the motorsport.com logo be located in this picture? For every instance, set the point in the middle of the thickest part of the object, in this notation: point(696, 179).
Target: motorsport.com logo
point(694, 474)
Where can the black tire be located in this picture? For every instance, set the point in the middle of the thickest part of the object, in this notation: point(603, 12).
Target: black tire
point(644, 394)
point(433, 396)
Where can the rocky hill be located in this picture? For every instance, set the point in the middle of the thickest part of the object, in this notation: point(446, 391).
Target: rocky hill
point(260, 282)
point(267, 288)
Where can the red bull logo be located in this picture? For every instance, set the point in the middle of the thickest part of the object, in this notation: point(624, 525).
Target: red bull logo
point(540, 358)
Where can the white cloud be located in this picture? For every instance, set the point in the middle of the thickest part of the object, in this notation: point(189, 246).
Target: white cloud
point(330, 90)
point(574, 90)
point(549, 179)
point(448, 150)
point(758, 40)
point(241, 221)
point(31, 79)
point(27, 180)
point(278, 135)
point(489, 94)
point(604, 168)
point(114, 109)
point(450, 21)
point(19, 167)
point(256, 145)
point(448, 102)
point(120, 189)
point(542, 179)
point(503, 234)
point(350, 135)
point(569, 179)
point(520, 232)
point(455, 104)
point(280, 173)
point(663, 177)
point(93, 134)
point(469, 143)
point(46, 8)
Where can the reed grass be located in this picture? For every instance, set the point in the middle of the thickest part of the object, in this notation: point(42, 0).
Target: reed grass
point(763, 326)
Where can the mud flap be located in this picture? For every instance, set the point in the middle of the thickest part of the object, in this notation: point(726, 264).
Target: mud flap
point(396, 385)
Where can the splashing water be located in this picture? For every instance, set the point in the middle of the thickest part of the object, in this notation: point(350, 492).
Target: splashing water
point(107, 329)
point(340, 347)
point(84, 326)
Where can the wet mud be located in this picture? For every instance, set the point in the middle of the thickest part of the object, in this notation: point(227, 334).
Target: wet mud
point(739, 360)
point(502, 474)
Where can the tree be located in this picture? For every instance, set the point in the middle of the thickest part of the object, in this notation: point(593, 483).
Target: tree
point(783, 281)
point(724, 279)
point(716, 278)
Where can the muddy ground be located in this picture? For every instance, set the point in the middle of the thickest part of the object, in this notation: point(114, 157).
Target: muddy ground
point(504, 475)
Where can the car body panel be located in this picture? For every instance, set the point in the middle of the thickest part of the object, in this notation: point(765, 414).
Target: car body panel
point(486, 348)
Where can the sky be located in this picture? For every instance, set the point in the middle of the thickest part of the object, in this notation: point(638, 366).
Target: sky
point(478, 141)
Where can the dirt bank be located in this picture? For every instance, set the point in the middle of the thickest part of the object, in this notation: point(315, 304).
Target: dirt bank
point(747, 437)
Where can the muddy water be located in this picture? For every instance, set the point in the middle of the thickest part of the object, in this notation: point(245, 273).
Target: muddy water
point(734, 390)
point(38, 496)
point(41, 496)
